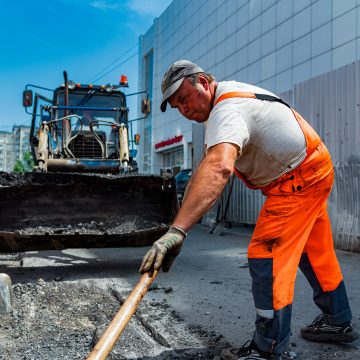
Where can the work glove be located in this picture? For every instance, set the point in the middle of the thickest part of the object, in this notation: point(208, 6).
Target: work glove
point(164, 251)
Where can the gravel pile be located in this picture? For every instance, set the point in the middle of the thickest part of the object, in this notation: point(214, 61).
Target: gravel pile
point(64, 320)
point(52, 321)
point(112, 225)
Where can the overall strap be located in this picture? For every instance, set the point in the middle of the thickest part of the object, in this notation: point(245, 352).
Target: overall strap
point(249, 95)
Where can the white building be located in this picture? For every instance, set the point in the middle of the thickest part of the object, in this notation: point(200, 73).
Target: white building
point(274, 44)
point(6, 156)
point(13, 145)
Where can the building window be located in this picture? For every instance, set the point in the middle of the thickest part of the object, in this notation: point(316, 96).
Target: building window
point(175, 157)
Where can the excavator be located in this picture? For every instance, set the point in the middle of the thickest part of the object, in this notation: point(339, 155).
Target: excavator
point(85, 190)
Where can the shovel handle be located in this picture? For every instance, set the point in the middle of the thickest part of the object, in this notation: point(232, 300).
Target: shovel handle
point(107, 341)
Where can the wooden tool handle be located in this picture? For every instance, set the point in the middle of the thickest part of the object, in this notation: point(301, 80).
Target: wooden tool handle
point(104, 346)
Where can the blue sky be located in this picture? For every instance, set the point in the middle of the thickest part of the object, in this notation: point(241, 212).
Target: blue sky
point(41, 38)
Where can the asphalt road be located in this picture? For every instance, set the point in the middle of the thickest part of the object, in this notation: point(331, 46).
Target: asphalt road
point(204, 302)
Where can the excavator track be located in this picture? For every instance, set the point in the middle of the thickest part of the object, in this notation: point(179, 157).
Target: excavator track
point(54, 211)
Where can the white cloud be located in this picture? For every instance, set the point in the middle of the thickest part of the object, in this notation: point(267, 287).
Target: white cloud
point(104, 5)
point(152, 8)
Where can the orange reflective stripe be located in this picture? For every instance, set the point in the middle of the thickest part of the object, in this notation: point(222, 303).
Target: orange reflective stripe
point(233, 94)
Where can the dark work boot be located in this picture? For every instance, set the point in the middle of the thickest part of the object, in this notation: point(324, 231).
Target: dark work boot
point(249, 351)
point(319, 331)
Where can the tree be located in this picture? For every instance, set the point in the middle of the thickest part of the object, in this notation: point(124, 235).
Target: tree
point(24, 165)
point(19, 167)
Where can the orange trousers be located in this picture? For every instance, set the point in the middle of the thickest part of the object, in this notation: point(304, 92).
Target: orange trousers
point(294, 220)
point(293, 229)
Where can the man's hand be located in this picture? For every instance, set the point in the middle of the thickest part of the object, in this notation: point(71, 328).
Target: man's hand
point(164, 251)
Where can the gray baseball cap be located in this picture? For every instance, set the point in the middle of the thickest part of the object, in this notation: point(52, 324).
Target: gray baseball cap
point(174, 77)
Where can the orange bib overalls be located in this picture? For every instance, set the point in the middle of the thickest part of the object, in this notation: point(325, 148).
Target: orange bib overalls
point(293, 229)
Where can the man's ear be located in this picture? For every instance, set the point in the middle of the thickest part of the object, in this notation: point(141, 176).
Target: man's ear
point(204, 82)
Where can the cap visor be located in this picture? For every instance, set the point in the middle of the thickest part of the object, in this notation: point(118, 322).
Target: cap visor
point(163, 106)
point(169, 92)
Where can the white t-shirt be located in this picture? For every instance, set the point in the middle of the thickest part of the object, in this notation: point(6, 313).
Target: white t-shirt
point(270, 139)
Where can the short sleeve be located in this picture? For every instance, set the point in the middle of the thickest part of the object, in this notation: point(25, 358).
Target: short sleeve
point(226, 125)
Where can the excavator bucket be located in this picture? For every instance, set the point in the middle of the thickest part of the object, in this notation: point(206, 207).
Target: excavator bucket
point(55, 211)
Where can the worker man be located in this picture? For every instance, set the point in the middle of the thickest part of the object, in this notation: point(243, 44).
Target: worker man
point(253, 133)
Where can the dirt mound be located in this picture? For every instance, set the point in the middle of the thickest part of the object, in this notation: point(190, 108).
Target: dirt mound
point(64, 320)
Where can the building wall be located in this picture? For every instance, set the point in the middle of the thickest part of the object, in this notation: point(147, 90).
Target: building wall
point(13, 145)
point(271, 43)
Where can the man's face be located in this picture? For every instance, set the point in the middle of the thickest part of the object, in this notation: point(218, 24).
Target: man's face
point(193, 102)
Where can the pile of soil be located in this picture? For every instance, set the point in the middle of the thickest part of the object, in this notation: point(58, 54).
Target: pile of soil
point(64, 320)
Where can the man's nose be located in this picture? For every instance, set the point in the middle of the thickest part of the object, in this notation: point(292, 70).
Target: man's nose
point(184, 109)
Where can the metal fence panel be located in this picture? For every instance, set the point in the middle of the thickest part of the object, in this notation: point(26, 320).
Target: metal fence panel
point(331, 104)
point(344, 207)
point(244, 205)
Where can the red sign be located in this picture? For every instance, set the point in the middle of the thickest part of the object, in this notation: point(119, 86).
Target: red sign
point(168, 142)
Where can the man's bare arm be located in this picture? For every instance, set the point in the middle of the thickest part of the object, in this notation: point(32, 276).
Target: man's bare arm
point(206, 184)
